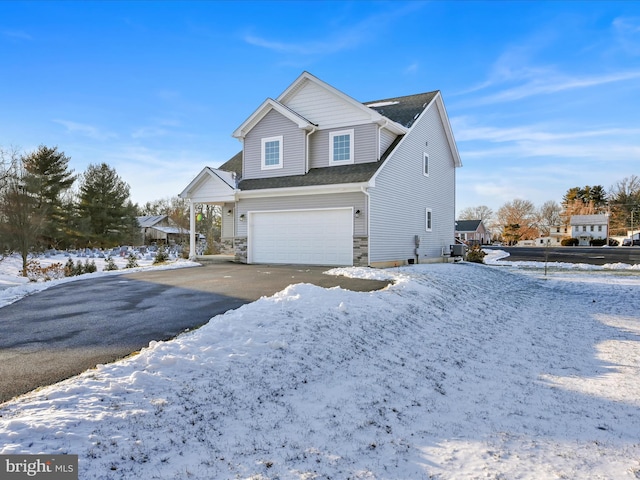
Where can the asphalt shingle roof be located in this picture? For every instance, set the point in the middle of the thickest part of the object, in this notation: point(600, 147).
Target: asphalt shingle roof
point(467, 225)
point(403, 110)
point(356, 173)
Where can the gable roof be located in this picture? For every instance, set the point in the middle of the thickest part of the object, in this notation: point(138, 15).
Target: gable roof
point(374, 116)
point(268, 105)
point(398, 114)
point(598, 219)
point(467, 225)
point(224, 179)
point(150, 220)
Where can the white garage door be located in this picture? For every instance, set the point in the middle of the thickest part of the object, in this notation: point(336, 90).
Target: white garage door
point(312, 237)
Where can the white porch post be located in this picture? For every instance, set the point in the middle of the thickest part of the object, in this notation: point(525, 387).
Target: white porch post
point(192, 232)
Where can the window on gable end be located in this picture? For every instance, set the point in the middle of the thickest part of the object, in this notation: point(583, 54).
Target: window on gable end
point(341, 147)
point(425, 164)
point(271, 152)
point(428, 220)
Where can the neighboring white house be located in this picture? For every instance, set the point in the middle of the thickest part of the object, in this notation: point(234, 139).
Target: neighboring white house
point(587, 228)
point(554, 238)
point(324, 179)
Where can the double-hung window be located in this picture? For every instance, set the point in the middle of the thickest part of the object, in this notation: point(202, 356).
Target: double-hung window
point(341, 147)
point(272, 152)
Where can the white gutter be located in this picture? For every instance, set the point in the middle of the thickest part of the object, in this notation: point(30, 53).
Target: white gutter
point(303, 190)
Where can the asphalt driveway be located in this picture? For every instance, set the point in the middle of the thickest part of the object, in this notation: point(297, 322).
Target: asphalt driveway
point(70, 328)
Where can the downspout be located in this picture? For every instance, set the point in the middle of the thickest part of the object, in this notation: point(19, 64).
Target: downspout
point(365, 190)
point(306, 153)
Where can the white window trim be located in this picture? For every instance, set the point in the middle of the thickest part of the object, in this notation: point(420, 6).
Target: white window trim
point(428, 220)
point(351, 138)
point(262, 152)
point(425, 164)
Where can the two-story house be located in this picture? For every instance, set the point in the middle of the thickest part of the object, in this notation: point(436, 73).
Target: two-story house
point(587, 228)
point(324, 179)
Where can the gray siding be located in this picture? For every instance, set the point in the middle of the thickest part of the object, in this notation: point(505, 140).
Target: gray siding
point(226, 221)
point(293, 150)
point(364, 147)
point(386, 139)
point(402, 194)
point(357, 200)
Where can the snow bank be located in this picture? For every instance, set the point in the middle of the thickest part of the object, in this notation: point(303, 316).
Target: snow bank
point(456, 371)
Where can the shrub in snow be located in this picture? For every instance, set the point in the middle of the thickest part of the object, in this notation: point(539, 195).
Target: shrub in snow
point(476, 254)
point(110, 264)
point(132, 261)
point(35, 272)
point(69, 268)
point(90, 266)
point(161, 257)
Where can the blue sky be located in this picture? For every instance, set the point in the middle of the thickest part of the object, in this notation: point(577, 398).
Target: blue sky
point(542, 96)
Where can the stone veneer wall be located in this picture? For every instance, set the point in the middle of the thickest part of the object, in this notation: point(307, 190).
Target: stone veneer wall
point(361, 251)
point(226, 246)
point(240, 249)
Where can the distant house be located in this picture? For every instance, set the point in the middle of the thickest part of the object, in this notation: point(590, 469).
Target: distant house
point(160, 229)
point(556, 234)
point(587, 228)
point(324, 179)
point(472, 232)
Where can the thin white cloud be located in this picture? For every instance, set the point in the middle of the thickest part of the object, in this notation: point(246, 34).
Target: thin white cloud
point(149, 132)
point(627, 33)
point(16, 35)
point(413, 68)
point(546, 85)
point(339, 39)
point(464, 132)
point(85, 130)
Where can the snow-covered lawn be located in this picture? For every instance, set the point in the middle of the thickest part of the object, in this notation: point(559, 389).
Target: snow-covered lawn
point(456, 371)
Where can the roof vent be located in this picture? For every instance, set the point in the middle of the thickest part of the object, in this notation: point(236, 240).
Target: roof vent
point(382, 104)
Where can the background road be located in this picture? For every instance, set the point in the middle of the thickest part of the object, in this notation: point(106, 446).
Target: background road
point(590, 255)
point(69, 328)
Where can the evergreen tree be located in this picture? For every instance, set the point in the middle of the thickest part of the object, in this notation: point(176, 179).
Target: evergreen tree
point(104, 206)
point(48, 177)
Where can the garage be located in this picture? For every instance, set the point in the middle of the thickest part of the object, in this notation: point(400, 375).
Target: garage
point(310, 237)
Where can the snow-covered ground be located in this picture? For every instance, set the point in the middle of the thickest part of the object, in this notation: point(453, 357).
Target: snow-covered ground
point(456, 371)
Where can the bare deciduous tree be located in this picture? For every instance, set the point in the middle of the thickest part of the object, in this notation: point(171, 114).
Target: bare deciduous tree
point(517, 220)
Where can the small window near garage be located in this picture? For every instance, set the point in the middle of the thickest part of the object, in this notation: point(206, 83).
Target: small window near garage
point(428, 220)
point(341, 147)
point(271, 153)
point(425, 164)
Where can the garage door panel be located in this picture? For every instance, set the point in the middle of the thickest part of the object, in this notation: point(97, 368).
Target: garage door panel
point(321, 237)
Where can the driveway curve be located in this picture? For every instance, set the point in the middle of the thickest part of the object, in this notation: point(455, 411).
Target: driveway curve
point(69, 328)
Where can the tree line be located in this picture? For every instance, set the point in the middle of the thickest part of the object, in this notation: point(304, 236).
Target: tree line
point(44, 205)
point(522, 220)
